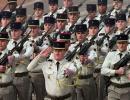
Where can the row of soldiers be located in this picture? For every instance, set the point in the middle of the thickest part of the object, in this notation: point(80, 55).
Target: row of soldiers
point(64, 56)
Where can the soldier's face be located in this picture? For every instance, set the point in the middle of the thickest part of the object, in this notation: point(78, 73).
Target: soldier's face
point(59, 54)
point(102, 8)
point(53, 7)
point(80, 36)
point(117, 5)
point(4, 21)
point(67, 3)
point(93, 30)
point(3, 44)
point(34, 31)
point(61, 24)
point(16, 34)
point(47, 26)
point(20, 18)
point(91, 14)
point(73, 17)
point(38, 12)
point(122, 46)
point(12, 6)
point(108, 28)
point(121, 24)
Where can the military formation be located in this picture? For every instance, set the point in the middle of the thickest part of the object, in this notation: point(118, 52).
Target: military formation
point(61, 55)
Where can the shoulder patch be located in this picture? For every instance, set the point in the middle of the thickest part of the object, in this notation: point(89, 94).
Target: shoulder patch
point(50, 60)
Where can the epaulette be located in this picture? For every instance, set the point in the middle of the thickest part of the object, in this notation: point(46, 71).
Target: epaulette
point(50, 60)
point(101, 34)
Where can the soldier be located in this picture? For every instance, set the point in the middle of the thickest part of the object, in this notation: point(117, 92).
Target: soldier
point(21, 57)
point(53, 7)
point(73, 16)
point(61, 22)
point(36, 77)
point(117, 7)
point(34, 34)
point(121, 24)
point(5, 21)
point(12, 5)
point(49, 26)
point(21, 17)
point(102, 8)
point(58, 72)
point(66, 5)
point(91, 9)
point(86, 87)
point(119, 88)
point(106, 32)
point(93, 29)
point(38, 11)
point(7, 91)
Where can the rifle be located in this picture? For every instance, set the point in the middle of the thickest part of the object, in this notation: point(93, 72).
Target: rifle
point(122, 62)
point(4, 59)
point(86, 46)
point(40, 41)
point(71, 54)
point(112, 42)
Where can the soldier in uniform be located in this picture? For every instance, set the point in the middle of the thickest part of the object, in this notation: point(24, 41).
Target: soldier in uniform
point(36, 76)
point(5, 21)
point(91, 9)
point(7, 91)
point(73, 16)
point(61, 22)
point(57, 71)
point(66, 5)
point(12, 5)
point(21, 17)
point(49, 26)
point(53, 7)
point(38, 11)
point(119, 88)
point(93, 29)
point(102, 8)
point(86, 86)
point(121, 23)
point(117, 7)
point(21, 57)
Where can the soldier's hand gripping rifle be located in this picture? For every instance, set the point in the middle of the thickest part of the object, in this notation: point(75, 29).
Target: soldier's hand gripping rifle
point(122, 63)
point(19, 46)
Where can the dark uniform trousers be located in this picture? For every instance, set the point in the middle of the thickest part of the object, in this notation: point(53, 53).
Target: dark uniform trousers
point(7, 92)
point(38, 82)
point(87, 91)
point(23, 87)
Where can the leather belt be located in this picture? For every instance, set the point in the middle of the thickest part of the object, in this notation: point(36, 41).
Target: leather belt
point(59, 97)
point(85, 76)
point(125, 85)
point(5, 84)
point(21, 74)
